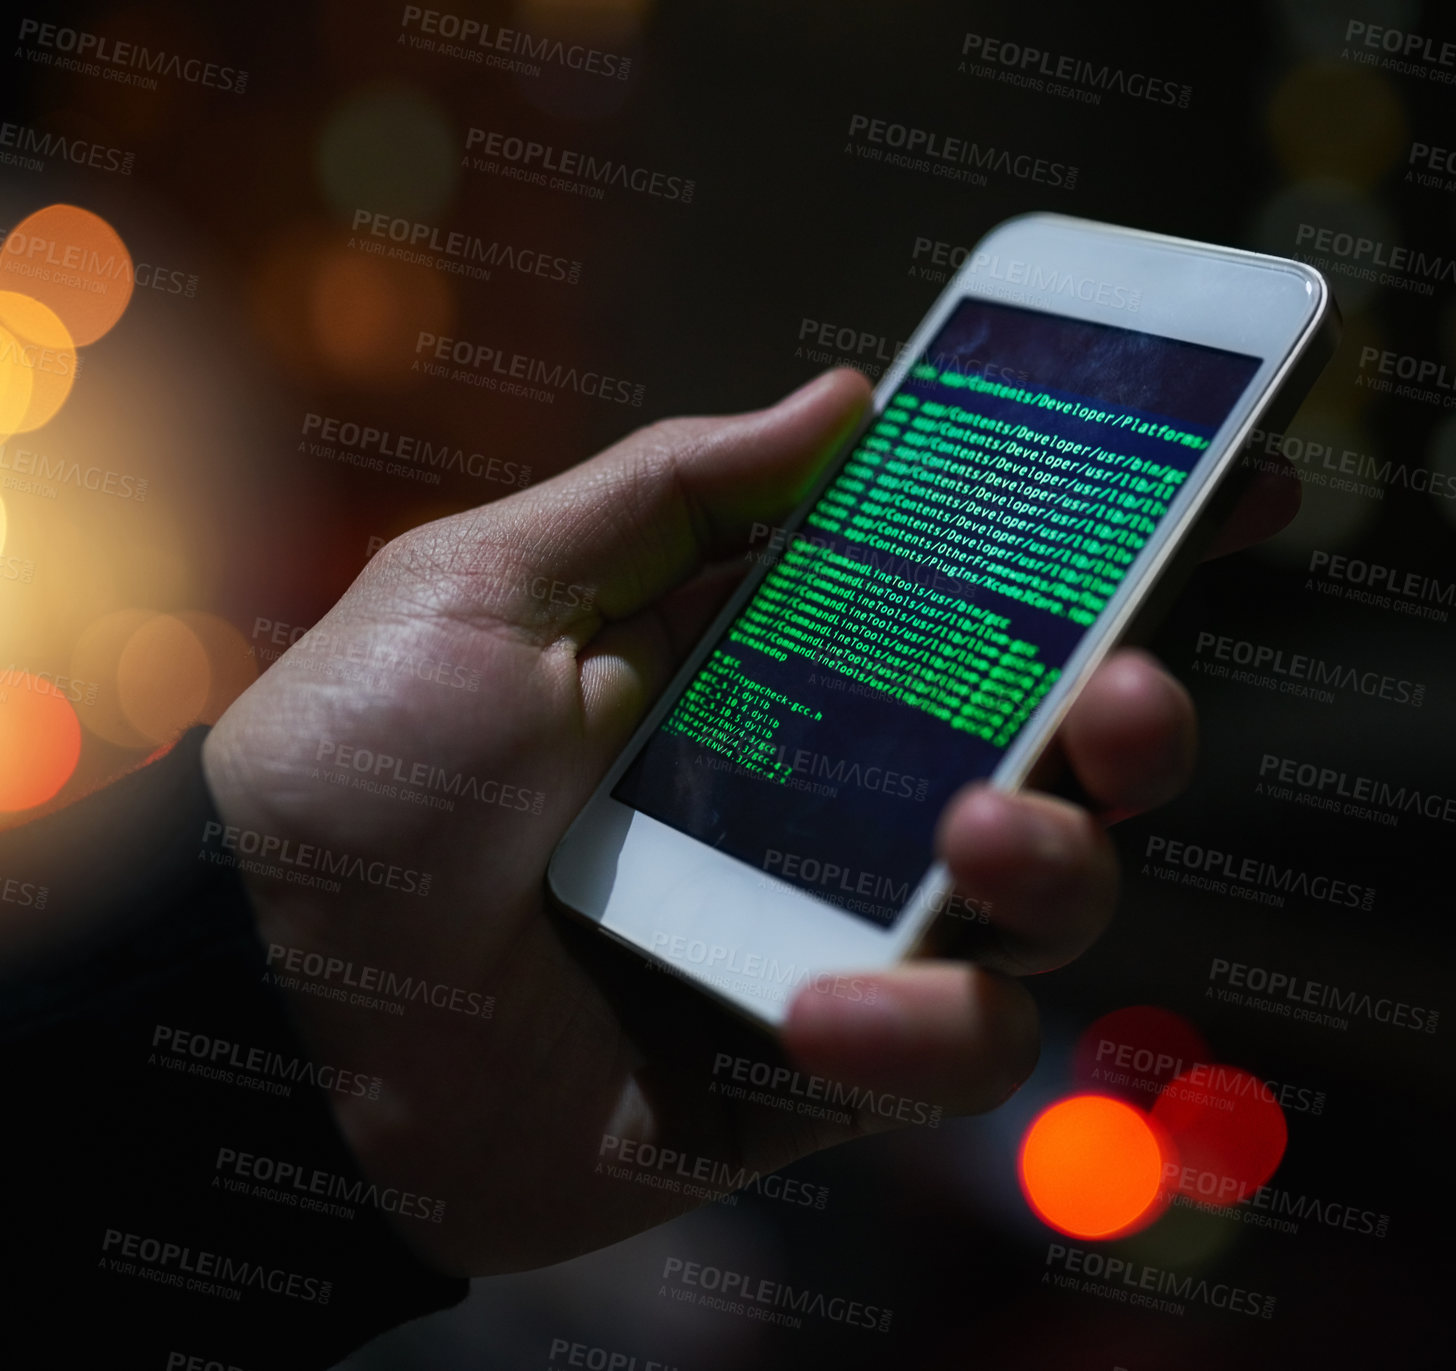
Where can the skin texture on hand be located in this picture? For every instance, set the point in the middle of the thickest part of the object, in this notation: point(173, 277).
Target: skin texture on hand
point(568, 606)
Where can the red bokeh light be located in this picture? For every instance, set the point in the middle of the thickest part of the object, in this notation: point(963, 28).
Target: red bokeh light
point(1134, 1052)
point(1228, 1129)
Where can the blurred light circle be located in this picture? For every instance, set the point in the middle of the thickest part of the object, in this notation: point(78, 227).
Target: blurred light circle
point(40, 742)
point(611, 27)
point(33, 340)
point(75, 263)
point(390, 150)
point(1332, 119)
point(278, 297)
point(1092, 1167)
point(95, 660)
point(163, 678)
point(1134, 1052)
point(15, 384)
point(232, 665)
point(331, 312)
point(1228, 1129)
point(365, 313)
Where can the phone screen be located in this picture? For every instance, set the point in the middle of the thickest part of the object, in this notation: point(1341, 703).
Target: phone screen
point(912, 624)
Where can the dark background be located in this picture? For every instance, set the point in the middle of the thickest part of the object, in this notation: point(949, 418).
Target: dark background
point(703, 305)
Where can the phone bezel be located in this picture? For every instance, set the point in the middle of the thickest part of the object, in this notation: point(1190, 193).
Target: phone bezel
point(667, 895)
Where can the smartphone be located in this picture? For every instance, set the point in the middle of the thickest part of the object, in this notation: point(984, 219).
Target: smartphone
point(1034, 473)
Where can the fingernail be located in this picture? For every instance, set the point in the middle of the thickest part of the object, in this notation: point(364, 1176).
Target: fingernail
point(1048, 843)
point(1023, 830)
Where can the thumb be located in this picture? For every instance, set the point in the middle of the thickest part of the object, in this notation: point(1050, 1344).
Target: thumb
point(643, 516)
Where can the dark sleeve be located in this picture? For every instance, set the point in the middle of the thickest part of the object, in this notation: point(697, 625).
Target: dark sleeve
point(143, 1053)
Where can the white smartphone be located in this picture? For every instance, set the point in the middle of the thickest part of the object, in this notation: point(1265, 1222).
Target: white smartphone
point(1031, 469)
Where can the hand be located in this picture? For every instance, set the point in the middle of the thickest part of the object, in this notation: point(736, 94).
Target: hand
point(569, 605)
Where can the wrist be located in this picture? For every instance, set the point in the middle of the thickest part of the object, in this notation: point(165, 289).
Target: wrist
point(297, 925)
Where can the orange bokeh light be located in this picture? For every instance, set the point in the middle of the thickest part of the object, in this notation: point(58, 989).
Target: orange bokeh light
point(1092, 1167)
point(232, 668)
point(74, 263)
point(96, 656)
point(163, 678)
point(37, 363)
point(360, 307)
point(333, 312)
point(40, 742)
point(15, 383)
